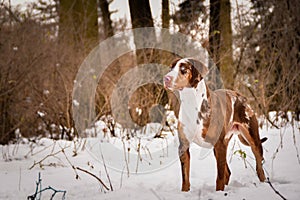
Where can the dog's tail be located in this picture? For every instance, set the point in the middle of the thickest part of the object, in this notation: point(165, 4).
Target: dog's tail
point(263, 139)
point(242, 139)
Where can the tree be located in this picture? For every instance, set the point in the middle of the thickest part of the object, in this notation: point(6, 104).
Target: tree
point(140, 13)
point(226, 59)
point(273, 54)
point(78, 22)
point(165, 16)
point(188, 15)
point(148, 96)
point(220, 39)
point(105, 14)
point(141, 16)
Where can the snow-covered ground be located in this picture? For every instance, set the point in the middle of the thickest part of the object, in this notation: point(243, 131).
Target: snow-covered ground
point(158, 174)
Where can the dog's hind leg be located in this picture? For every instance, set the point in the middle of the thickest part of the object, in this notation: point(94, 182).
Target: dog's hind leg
point(251, 136)
point(227, 174)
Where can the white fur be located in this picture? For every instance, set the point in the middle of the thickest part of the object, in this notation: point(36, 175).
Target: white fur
point(230, 132)
point(191, 101)
point(175, 71)
point(233, 99)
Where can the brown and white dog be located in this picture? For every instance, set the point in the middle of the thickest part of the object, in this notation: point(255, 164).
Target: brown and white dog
point(210, 118)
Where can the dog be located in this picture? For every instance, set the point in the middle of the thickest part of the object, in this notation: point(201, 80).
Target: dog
point(210, 118)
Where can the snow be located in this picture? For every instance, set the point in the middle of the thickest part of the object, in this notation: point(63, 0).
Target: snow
point(157, 178)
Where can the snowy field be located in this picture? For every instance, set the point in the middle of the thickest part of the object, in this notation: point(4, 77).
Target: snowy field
point(158, 173)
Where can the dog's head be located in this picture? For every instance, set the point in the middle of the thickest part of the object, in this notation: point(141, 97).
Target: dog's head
point(185, 72)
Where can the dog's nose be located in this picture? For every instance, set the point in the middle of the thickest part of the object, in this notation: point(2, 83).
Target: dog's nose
point(167, 81)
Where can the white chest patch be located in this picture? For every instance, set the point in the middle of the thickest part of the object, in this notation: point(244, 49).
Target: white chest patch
point(191, 101)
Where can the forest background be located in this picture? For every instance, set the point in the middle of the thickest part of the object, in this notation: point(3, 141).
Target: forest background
point(255, 44)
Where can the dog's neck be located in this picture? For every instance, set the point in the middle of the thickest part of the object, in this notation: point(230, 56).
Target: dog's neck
point(190, 106)
point(193, 97)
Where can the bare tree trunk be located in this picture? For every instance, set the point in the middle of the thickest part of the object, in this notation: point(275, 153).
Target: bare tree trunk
point(220, 39)
point(6, 126)
point(165, 16)
point(141, 16)
point(140, 13)
point(105, 14)
point(226, 60)
point(214, 36)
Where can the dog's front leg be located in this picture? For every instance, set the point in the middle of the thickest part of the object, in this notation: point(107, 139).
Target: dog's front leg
point(223, 172)
point(184, 155)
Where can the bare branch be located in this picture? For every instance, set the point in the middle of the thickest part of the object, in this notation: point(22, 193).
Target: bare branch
point(261, 108)
point(49, 155)
point(276, 191)
point(93, 175)
point(11, 13)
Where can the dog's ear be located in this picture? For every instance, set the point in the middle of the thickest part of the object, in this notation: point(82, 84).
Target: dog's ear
point(196, 77)
point(199, 66)
point(174, 62)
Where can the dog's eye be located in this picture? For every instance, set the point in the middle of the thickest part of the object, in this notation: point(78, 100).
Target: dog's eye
point(183, 70)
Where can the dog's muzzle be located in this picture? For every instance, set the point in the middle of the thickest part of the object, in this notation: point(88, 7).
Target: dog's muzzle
point(168, 81)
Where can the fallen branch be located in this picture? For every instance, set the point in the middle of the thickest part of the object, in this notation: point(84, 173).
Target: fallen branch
point(93, 175)
point(276, 191)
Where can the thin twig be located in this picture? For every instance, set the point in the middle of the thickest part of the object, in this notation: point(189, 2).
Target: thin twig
point(242, 154)
point(11, 13)
point(32, 154)
point(73, 167)
point(261, 108)
point(20, 176)
point(139, 158)
point(276, 191)
point(232, 151)
point(280, 146)
point(107, 175)
point(172, 131)
point(93, 175)
point(156, 195)
point(148, 150)
point(295, 144)
point(39, 190)
point(121, 182)
point(126, 162)
point(49, 155)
